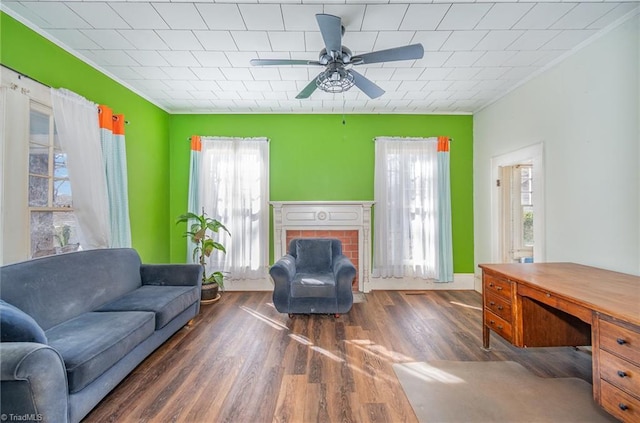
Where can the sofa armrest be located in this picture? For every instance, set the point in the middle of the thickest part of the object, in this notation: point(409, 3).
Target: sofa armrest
point(282, 273)
point(171, 274)
point(34, 382)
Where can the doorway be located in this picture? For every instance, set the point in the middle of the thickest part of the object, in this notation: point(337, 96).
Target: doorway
point(517, 206)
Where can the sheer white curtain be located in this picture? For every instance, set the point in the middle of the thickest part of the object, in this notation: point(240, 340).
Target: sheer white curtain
point(78, 131)
point(412, 235)
point(234, 188)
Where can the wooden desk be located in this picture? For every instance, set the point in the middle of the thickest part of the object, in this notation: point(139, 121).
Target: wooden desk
point(567, 304)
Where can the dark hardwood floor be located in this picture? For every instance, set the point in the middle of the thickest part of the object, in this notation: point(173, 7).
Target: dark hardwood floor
point(242, 361)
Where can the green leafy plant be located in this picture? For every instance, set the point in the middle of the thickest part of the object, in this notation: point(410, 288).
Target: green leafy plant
point(200, 232)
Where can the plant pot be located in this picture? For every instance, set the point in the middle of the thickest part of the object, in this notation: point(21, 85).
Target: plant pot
point(209, 293)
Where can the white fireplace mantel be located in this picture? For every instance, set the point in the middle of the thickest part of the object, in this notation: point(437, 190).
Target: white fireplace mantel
point(326, 215)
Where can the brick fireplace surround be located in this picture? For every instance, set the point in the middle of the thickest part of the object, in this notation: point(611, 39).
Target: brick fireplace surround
point(347, 221)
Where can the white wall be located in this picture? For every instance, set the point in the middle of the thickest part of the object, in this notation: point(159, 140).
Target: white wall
point(586, 112)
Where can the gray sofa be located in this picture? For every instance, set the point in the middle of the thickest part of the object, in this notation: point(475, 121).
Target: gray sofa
point(74, 325)
point(314, 277)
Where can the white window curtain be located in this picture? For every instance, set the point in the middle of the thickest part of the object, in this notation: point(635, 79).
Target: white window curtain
point(78, 131)
point(412, 222)
point(233, 187)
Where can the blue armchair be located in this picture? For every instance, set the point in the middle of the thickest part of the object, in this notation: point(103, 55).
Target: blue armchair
point(313, 278)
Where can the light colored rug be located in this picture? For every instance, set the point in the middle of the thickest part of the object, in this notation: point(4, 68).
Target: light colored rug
point(493, 392)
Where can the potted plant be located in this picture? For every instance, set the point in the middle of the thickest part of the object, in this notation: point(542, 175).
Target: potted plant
point(200, 234)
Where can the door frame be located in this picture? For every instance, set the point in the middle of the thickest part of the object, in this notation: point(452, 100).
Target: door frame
point(535, 155)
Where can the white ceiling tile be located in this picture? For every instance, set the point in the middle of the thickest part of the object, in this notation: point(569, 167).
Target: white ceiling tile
point(524, 58)
point(463, 40)
point(295, 73)
point(143, 39)
point(494, 58)
point(498, 40)
point(460, 74)
point(435, 74)
point(388, 39)
point(583, 15)
point(240, 58)
point(221, 16)
point(358, 42)
point(180, 15)
point(490, 84)
point(383, 17)
point(232, 86)
point(228, 95)
point(300, 17)
point(464, 16)
point(431, 40)
point(139, 15)
point(463, 58)
point(124, 72)
point(568, 39)
point(410, 74)
point(490, 72)
point(150, 72)
point(181, 85)
point(519, 73)
point(618, 12)
point(99, 15)
point(543, 15)
point(205, 85)
point(262, 16)
point(115, 58)
point(236, 74)
point(257, 86)
point(378, 74)
point(437, 85)
point(412, 86)
point(433, 59)
point(73, 38)
point(251, 40)
point(208, 74)
point(211, 59)
point(216, 40)
point(463, 85)
point(183, 73)
point(108, 39)
point(179, 40)
point(415, 95)
point(286, 85)
point(533, 39)
point(503, 15)
point(424, 17)
point(57, 15)
point(352, 14)
point(265, 73)
point(286, 41)
point(152, 84)
point(180, 58)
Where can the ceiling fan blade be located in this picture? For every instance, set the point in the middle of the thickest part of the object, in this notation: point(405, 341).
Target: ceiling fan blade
point(331, 30)
point(282, 62)
point(308, 90)
point(366, 85)
point(413, 51)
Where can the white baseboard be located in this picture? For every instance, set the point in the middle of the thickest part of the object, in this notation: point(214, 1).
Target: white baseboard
point(461, 281)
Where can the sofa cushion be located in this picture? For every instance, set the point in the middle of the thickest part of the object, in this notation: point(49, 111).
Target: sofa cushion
point(18, 326)
point(93, 342)
point(58, 288)
point(320, 285)
point(313, 255)
point(165, 301)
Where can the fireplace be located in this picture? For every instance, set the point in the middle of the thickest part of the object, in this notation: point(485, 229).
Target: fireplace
point(348, 221)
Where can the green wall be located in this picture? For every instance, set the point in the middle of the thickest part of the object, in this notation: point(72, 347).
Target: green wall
point(147, 134)
point(317, 157)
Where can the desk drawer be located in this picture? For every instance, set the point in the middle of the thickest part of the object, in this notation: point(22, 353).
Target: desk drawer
point(620, 373)
point(622, 405)
point(499, 286)
point(620, 340)
point(498, 325)
point(498, 305)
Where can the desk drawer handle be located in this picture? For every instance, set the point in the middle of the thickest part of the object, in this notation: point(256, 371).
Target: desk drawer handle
point(499, 288)
point(622, 374)
point(622, 406)
point(491, 284)
point(621, 341)
point(500, 307)
point(491, 303)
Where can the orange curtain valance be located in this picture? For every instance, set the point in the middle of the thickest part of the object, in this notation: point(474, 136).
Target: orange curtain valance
point(443, 144)
point(114, 123)
point(196, 144)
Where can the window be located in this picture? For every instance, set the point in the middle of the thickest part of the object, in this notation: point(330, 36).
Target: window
point(517, 212)
point(52, 225)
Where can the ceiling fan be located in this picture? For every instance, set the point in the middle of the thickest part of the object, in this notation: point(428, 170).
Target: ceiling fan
point(338, 61)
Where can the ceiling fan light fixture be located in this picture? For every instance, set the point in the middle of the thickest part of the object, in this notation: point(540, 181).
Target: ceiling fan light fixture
point(335, 80)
